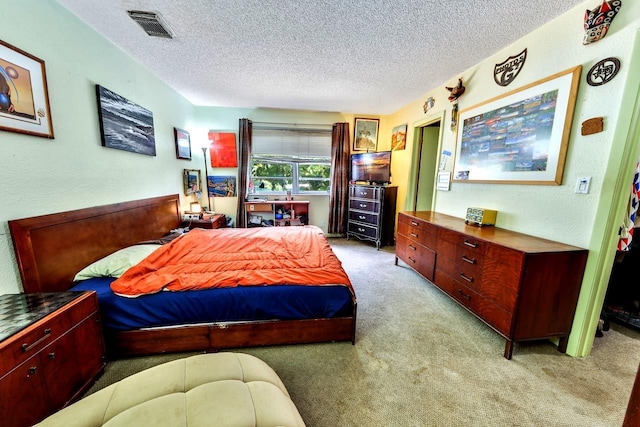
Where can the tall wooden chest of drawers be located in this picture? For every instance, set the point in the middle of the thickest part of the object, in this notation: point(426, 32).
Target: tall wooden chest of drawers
point(524, 287)
point(51, 349)
point(372, 213)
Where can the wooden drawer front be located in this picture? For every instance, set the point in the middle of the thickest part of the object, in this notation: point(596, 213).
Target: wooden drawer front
point(70, 361)
point(469, 266)
point(364, 205)
point(364, 193)
point(420, 258)
point(447, 260)
point(469, 242)
point(501, 275)
point(416, 230)
point(363, 217)
point(495, 316)
point(24, 400)
point(466, 296)
point(25, 344)
point(365, 230)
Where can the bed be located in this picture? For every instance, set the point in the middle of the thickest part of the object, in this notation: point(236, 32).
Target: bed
point(52, 249)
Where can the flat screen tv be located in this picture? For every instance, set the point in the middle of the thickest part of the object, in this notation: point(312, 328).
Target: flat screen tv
point(373, 168)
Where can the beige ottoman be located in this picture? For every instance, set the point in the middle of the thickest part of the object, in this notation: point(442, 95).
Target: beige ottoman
point(220, 389)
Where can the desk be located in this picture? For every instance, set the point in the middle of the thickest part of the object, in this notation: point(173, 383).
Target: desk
point(267, 211)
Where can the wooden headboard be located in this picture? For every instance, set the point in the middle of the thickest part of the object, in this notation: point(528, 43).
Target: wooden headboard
point(51, 249)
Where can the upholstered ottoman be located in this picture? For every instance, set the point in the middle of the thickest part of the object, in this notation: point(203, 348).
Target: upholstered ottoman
point(220, 389)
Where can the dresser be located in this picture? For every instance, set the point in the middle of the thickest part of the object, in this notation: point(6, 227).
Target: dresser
point(372, 213)
point(524, 287)
point(51, 349)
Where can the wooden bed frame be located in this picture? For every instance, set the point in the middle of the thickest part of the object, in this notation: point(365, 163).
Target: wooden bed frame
point(51, 249)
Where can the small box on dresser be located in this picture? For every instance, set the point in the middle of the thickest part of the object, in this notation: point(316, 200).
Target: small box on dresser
point(524, 287)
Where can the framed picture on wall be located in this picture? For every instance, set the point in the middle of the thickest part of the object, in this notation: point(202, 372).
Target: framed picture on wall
point(399, 137)
point(183, 144)
point(520, 137)
point(222, 149)
point(191, 181)
point(365, 136)
point(124, 125)
point(24, 97)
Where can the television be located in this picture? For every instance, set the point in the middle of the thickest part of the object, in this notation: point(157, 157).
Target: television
point(373, 168)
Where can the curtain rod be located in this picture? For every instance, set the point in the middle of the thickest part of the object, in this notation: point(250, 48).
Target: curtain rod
point(293, 124)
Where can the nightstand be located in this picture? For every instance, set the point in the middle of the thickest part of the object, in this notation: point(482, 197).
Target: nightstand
point(51, 350)
point(217, 221)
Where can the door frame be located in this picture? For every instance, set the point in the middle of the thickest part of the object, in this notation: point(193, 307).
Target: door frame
point(611, 208)
point(411, 200)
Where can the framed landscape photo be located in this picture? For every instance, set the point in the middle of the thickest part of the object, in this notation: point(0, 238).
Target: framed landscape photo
point(191, 181)
point(520, 137)
point(399, 137)
point(124, 125)
point(183, 144)
point(366, 135)
point(24, 98)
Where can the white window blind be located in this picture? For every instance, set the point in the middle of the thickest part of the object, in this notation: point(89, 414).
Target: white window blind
point(299, 145)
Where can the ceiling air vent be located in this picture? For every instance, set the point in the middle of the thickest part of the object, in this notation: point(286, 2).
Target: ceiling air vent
point(151, 23)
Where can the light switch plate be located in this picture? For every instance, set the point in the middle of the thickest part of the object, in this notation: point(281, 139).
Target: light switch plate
point(582, 184)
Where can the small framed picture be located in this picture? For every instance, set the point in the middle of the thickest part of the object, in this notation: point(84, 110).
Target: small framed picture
point(191, 181)
point(24, 99)
point(183, 144)
point(365, 137)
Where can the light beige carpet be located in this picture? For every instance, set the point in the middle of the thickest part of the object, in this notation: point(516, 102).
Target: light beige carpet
point(422, 360)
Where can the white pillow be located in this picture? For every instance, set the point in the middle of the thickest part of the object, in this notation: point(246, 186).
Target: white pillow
point(117, 263)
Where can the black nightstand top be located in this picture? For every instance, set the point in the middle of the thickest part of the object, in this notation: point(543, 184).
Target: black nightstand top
point(17, 311)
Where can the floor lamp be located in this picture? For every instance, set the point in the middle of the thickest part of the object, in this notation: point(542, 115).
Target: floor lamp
point(206, 178)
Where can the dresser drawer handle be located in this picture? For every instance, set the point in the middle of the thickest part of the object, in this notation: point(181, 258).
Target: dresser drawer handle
point(361, 230)
point(415, 224)
point(362, 217)
point(414, 235)
point(467, 278)
point(463, 295)
point(363, 193)
point(26, 347)
point(363, 205)
point(412, 260)
point(468, 243)
point(469, 260)
point(413, 248)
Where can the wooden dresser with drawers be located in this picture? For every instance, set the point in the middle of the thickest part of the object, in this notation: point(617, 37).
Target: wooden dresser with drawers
point(524, 287)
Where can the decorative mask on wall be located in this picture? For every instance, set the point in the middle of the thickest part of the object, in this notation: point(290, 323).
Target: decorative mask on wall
point(597, 21)
point(456, 91)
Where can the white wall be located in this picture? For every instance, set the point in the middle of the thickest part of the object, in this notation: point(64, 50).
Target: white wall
point(72, 171)
point(531, 209)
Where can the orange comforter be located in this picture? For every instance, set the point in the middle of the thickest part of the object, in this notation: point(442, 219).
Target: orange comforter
point(203, 259)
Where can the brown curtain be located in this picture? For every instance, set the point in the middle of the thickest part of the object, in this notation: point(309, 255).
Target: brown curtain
point(243, 169)
point(339, 197)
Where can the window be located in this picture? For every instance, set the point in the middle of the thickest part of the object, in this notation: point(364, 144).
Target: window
point(296, 160)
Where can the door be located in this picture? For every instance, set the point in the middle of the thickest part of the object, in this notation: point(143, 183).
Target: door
point(428, 166)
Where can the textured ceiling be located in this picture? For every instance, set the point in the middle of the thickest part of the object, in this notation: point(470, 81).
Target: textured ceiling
point(357, 56)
